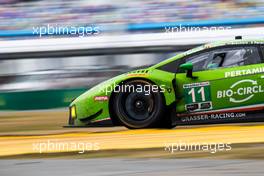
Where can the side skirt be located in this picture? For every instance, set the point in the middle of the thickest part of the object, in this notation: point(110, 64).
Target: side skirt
point(218, 117)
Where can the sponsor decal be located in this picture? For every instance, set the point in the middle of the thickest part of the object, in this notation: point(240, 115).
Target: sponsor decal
point(101, 98)
point(250, 71)
point(241, 91)
point(197, 96)
point(205, 117)
point(201, 84)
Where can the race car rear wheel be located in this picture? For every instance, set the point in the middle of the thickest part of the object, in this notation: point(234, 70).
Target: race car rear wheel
point(137, 105)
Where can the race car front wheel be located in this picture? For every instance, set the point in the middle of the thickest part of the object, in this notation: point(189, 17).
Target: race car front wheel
point(138, 105)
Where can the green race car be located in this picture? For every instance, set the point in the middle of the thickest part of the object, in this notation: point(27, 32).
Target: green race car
point(215, 83)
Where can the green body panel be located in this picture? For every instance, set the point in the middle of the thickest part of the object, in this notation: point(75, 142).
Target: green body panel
point(223, 92)
point(246, 90)
point(205, 89)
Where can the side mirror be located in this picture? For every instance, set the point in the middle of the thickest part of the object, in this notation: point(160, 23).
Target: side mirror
point(188, 67)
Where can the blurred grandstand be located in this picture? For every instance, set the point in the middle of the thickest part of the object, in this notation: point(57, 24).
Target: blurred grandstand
point(117, 14)
point(53, 78)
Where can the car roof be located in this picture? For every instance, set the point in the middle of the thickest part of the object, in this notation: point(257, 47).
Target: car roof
point(224, 43)
point(210, 45)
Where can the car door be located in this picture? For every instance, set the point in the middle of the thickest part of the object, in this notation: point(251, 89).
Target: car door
point(225, 78)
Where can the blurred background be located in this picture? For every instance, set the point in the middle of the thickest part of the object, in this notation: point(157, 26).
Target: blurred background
point(49, 70)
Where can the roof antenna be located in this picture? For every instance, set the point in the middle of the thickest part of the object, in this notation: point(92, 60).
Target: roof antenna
point(238, 38)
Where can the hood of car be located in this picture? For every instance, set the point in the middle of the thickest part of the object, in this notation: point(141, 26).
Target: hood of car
point(105, 88)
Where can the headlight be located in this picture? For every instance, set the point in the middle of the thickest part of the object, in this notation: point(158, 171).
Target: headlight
point(73, 112)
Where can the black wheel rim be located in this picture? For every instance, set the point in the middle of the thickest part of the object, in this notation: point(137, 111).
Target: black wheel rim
point(138, 106)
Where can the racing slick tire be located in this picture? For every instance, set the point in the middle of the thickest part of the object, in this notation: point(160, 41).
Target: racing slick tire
point(139, 109)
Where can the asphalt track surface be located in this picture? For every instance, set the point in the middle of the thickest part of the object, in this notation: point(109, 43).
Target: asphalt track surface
point(121, 138)
point(19, 132)
point(131, 167)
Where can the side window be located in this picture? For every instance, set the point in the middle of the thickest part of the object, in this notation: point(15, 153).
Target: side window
point(199, 61)
point(173, 66)
point(226, 57)
point(232, 57)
